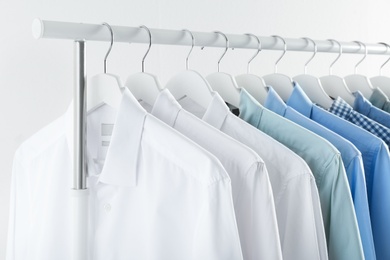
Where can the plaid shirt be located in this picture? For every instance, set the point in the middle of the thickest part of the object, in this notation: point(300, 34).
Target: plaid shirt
point(345, 111)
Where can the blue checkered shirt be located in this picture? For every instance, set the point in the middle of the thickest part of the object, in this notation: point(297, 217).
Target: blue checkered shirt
point(345, 111)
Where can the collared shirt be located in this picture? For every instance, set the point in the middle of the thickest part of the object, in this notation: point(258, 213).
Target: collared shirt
point(296, 196)
point(364, 107)
point(353, 164)
point(324, 160)
point(158, 196)
point(376, 162)
point(380, 100)
point(345, 111)
point(252, 193)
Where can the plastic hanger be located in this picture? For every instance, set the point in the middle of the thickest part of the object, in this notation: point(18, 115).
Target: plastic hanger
point(190, 83)
point(225, 84)
point(312, 85)
point(144, 86)
point(360, 82)
point(104, 88)
point(380, 81)
point(281, 83)
point(254, 84)
point(335, 86)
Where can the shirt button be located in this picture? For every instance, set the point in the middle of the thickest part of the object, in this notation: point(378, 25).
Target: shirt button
point(107, 207)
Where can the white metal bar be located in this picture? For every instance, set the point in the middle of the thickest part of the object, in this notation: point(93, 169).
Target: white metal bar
point(97, 32)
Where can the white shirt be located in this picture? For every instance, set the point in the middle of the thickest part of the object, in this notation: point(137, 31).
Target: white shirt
point(158, 196)
point(252, 192)
point(296, 196)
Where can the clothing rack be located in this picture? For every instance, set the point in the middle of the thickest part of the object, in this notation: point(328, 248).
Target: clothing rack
point(80, 33)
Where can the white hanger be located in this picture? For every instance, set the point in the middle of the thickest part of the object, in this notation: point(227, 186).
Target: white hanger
point(311, 85)
point(281, 83)
point(144, 86)
point(335, 86)
point(360, 82)
point(104, 88)
point(191, 84)
point(380, 81)
point(254, 84)
point(225, 84)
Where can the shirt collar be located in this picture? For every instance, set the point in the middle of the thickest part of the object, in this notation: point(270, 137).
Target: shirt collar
point(300, 101)
point(217, 111)
point(166, 102)
point(361, 104)
point(275, 103)
point(379, 98)
point(120, 167)
point(250, 109)
point(341, 108)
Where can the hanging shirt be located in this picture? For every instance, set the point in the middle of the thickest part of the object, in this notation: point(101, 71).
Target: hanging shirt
point(364, 107)
point(344, 110)
point(376, 161)
point(338, 213)
point(158, 196)
point(252, 193)
point(380, 100)
point(353, 164)
point(296, 196)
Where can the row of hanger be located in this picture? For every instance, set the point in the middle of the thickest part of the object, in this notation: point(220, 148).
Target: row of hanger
point(107, 88)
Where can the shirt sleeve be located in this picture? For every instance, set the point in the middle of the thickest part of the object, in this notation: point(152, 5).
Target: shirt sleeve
point(18, 214)
point(339, 214)
point(300, 220)
point(217, 235)
point(379, 202)
point(259, 235)
point(357, 182)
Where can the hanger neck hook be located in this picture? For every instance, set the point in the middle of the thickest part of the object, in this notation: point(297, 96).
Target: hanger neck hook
point(387, 48)
point(314, 53)
point(284, 51)
point(150, 45)
point(365, 54)
point(338, 57)
point(192, 46)
point(257, 52)
point(109, 50)
point(226, 48)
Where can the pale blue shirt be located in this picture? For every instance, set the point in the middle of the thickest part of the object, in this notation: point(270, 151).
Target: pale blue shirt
point(363, 106)
point(324, 160)
point(352, 160)
point(376, 161)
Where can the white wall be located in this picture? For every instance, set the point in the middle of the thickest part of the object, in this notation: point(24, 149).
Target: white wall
point(36, 76)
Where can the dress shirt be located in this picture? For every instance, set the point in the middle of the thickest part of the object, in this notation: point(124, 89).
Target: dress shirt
point(364, 107)
point(296, 196)
point(338, 213)
point(376, 161)
point(158, 196)
point(353, 164)
point(380, 100)
point(345, 111)
point(252, 193)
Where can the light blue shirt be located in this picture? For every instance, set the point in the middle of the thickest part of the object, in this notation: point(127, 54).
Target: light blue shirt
point(363, 106)
point(380, 100)
point(376, 161)
point(324, 160)
point(353, 164)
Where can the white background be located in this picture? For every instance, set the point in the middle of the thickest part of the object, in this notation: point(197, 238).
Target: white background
point(36, 75)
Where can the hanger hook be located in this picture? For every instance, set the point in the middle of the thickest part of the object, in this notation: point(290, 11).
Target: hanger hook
point(109, 50)
point(192, 46)
point(150, 45)
point(284, 52)
point(314, 53)
point(258, 50)
point(338, 57)
point(365, 54)
point(387, 48)
point(226, 48)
